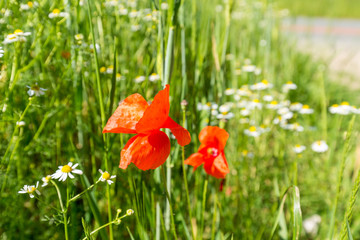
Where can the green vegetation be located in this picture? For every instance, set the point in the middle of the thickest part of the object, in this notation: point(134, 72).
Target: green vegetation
point(209, 52)
point(322, 8)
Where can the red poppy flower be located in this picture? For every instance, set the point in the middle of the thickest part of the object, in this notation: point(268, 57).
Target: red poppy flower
point(150, 147)
point(211, 152)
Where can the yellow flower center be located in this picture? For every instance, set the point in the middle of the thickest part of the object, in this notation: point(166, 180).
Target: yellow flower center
point(153, 74)
point(297, 145)
point(31, 190)
point(224, 113)
point(18, 31)
point(111, 67)
point(318, 143)
point(345, 104)
point(12, 37)
point(35, 88)
point(208, 104)
point(244, 152)
point(256, 100)
point(66, 169)
point(262, 126)
point(265, 81)
point(102, 69)
point(118, 75)
point(306, 106)
point(252, 129)
point(289, 82)
point(335, 105)
point(30, 4)
point(106, 176)
point(56, 11)
point(273, 102)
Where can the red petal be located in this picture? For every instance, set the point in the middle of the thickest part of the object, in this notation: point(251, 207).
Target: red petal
point(213, 136)
point(218, 167)
point(182, 135)
point(195, 160)
point(146, 151)
point(156, 114)
point(127, 115)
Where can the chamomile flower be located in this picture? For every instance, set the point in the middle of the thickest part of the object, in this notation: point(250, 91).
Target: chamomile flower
point(123, 11)
point(129, 212)
point(110, 69)
point(120, 77)
point(66, 171)
point(268, 98)
point(319, 146)
point(229, 91)
point(30, 189)
point(311, 225)
point(255, 104)
point(1, 52)
point(343, 109)
point(105, 176)
point(252, 131)
point(296, 106)
point(139, 79)
point(299, 148)
point(245, 112)
point(46, 180)
point(306, 110)
point(79, 38)
point(294, 127)
point(285, 113)
point(17, 36)
point(56, 13)
point(133, 14)
point(248, 68)
point(154, 77)
point(35, 90)
point(20, 124)
point(288, 86)
point(164, 6)
point(29, 5)
point(273, 105)
point(264, 84)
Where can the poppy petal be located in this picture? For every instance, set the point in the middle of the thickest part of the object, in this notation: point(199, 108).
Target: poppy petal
point(146, 151)
point(213, 136)
point(218, 167)
point(156, 114)
point(181, 134)
point(195, 160)
point(127, 115)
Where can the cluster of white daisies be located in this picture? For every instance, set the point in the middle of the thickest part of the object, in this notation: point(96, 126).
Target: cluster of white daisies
point(62, 174)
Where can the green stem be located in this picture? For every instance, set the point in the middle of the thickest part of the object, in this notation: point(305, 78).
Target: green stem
point(62, 209)
point(169, 200)
point(203, 209)
point(214, 219)
point(83, 192)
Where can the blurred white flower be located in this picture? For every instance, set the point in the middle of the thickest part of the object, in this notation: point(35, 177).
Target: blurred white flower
point(252, 131)
point(46, 180)
point(56, 13)
point(311, 225)
point(35, 90)
point(306, 110)
point(319, 146)
point(299, 148)
point(296, 107)
point(139, 79)
point(229, 91)
point(288, 86)
point(154, 77)
point(30, 189)
point(264, 84)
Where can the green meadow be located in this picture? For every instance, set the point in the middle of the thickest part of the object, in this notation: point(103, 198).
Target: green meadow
point(291, 155)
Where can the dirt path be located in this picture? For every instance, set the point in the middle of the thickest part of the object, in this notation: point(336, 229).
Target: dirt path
point(336, 41)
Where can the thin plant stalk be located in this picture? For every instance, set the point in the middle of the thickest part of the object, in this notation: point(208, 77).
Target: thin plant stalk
point(102, 113)
point(203, 209)
point(63, 210)
point(213, 228)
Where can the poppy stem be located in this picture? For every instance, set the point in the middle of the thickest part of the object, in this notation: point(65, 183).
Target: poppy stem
point(169, 201)
point(203, 209)
point(214, 219)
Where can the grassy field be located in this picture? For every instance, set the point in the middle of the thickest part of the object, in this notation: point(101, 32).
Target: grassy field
point(322, 8)
point(66, 66)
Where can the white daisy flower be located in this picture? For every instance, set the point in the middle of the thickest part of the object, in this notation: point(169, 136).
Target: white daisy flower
point(30, 189)
point(35, 90)
point(129, 212)
point(56, 13)
point(319, 146)
point(268, 98)
point(288, 86)
point(238, 71)
point(225, 115)
point(245, 112)
point(296, 107)
point(164, 6)
point(66, 171)
point(120, 77)
point(306, 110)
point(257, 71)
point(135, 27)
point(46, 180)
point(154, 77)
point(1, 52)
point(123, 11)
point(133, 14)
point(252, 131)
point(28, 6)
point(110, 69)
point(273, 105)
point(97, 47)
point(311, 225)
point(105, 176)
point(244, 91)
point(285, 113)
point(248, 68)
point(139, 79)
point(264, 84)
point(294, 127)
point(255, 104)
point(299, 148)
point(229, 91)
point(16, 36)
point(20, 124)
point(148, 17)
